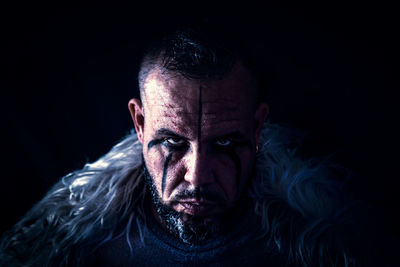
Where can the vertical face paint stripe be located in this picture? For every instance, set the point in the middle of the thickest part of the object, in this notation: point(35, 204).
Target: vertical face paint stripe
point(238, 165)
point(154, 143)
point(199, 118)
point(165, 170)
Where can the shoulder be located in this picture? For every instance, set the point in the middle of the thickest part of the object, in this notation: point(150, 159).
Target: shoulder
point(81, 204)
point(304, 209)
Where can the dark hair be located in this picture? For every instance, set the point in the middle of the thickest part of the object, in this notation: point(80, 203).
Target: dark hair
point(204, 51)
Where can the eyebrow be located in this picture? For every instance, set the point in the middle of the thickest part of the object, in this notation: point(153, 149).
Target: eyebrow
point(231, 135)
point(165, 131)
point(234, 135)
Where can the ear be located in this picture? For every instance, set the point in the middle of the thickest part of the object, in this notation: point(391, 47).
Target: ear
point(136, 109)
point(259, 119)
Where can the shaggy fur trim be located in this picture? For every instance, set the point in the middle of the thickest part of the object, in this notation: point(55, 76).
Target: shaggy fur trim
point(301, 207)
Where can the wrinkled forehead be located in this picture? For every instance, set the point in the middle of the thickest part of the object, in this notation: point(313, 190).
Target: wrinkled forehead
point(170, 96)
point(237, 86)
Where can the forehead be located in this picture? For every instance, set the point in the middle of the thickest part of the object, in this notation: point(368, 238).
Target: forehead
point(180, 104)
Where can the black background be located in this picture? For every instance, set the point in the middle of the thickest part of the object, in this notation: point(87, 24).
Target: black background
point(69, 71)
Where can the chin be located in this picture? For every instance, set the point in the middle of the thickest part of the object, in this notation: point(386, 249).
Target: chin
point(190, 227)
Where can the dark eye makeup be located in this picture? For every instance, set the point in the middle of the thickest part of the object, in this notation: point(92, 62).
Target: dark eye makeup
point(174, 142)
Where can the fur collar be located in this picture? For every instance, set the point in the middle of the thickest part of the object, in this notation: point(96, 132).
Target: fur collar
point(300, 204)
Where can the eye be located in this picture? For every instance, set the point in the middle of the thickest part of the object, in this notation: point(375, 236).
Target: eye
point(174, 141)
point(223, 142)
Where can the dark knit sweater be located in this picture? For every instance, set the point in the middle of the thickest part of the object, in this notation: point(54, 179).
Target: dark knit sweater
point(157, 247)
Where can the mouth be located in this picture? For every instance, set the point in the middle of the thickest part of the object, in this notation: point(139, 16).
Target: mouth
point(199, 208)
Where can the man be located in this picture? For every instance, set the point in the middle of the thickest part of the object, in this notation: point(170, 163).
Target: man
point(203, 181)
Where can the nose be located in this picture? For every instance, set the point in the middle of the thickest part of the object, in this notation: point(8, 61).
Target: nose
point(198, 169)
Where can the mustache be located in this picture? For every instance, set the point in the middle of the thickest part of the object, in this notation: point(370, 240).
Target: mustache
point(198, 194)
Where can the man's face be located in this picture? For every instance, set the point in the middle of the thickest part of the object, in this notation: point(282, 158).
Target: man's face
point(199, 140)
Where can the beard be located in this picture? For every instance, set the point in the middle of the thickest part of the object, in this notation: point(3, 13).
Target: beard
point(191, 229)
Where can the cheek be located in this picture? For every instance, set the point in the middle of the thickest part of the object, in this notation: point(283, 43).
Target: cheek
point(163, 168)
point(155, 160)
point(232, 171)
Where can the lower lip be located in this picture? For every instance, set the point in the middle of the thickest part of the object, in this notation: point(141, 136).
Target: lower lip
point(197, 209)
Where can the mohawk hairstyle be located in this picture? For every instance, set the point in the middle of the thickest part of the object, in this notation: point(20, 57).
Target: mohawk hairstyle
point(203, 51)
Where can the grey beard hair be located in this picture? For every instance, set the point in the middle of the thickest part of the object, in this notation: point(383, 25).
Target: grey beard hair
point(303, 212)
point(190, 229)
